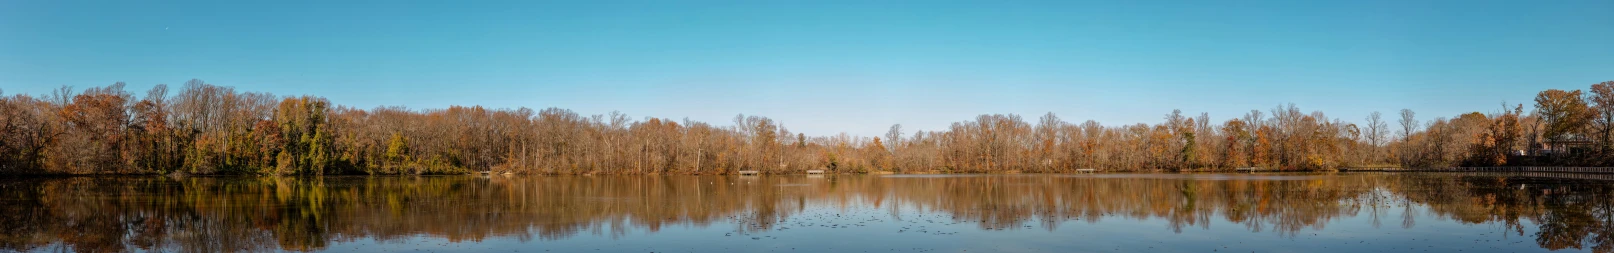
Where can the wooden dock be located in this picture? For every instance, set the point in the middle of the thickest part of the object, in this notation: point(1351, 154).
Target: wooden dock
point(1086, 170)
point(750, 173)
point(1545, 169)
point(1249, 169)
point(1550, 175)
point(810, 172)
point(1372, 169)
point(1539, 175)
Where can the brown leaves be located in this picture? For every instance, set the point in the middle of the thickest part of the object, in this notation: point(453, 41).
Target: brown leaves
point(1564, 112)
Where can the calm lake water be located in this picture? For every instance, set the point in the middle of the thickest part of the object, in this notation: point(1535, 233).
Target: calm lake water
point(834, 213)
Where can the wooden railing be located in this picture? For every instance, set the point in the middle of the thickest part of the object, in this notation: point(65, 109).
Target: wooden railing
point(1546, 175)
point(1596, 170)
point(1249, 169)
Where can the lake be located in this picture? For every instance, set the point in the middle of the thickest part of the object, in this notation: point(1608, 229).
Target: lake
point(1369, 212)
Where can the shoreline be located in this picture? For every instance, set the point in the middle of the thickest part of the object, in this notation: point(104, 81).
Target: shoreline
point(1520, 169)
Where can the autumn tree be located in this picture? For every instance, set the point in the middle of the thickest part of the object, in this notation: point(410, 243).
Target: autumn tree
point(1491, 147)
point(1564, 112)
point(397, 151)
point(1234, 152)
point(307, 148)
point(28, 130)
point(152, 142)
point(1602, 106)
point(879, 154)
point(97, 125)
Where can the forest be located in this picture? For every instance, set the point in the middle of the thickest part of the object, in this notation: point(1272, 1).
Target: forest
point(211, 129)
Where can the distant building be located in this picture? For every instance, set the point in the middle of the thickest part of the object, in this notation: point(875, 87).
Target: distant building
point(1566, 145)
point(1518, 152)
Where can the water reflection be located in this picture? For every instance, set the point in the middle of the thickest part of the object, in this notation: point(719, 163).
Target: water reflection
point(203, 214)
point(1570, 214)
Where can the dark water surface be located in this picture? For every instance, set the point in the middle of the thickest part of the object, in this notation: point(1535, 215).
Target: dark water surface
point(835, 213)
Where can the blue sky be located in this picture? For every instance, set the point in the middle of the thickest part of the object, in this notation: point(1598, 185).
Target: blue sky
point(823, 67)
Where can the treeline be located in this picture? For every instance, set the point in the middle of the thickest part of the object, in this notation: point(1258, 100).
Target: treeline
point(209, 129)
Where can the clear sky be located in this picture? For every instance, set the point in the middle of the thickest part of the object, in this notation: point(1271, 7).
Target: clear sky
point(823, 67)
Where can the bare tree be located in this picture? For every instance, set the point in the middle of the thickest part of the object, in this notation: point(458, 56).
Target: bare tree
point(1409, 123)
point(894, 137)
point(1376, 129)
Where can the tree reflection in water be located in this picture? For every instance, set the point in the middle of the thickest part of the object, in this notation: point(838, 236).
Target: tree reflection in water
point(208, 214)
